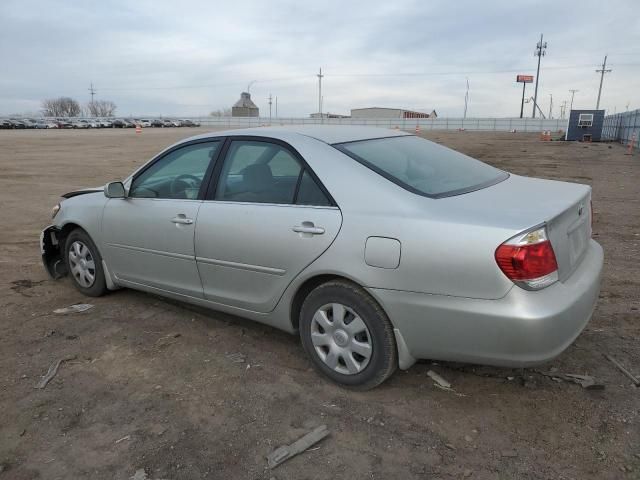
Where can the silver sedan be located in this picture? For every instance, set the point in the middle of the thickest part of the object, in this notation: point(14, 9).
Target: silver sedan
point(378, 247)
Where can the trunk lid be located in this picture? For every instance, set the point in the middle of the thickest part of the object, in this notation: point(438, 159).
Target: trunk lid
point(520, 203)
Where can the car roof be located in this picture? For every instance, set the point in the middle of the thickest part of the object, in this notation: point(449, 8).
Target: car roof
point(331, 134)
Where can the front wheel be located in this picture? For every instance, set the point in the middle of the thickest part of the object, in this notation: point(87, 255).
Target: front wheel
point(84, 264)
point(347, 335)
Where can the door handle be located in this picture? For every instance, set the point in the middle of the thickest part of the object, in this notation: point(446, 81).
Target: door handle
point(308, 227)
point(181, 219)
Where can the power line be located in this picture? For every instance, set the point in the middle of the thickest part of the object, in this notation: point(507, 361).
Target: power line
point(602, 71)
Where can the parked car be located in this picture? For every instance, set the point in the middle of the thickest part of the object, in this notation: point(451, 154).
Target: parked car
point(29, 123)
point(64, 123)
point(188, 123)
point(6, 124)
point(170, 123)
point(94, 123)
point(144, 123)
point(157, 123)
point(80, 124)
point(106, 123)
point(378, 248)
point(119, 123)
point(17, 124)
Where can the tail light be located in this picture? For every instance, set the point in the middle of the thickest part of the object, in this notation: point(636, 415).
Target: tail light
point(528, 260)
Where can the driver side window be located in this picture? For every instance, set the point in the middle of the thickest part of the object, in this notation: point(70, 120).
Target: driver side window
point(177, 175)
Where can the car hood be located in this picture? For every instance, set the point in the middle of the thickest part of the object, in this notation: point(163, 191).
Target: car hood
point(82, 191)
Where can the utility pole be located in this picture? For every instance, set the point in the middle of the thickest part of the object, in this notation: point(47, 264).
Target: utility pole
point(92, 92)
point(276, 106)
point(320, 94)
point(541, 50)
point(551, 106)
point(602, 71)
point(563, 109)
point(269, 108)
point(466, 100)
point(573, 92)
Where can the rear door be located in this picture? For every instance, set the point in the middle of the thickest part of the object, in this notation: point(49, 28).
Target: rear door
point(149, 235)
point(265, 219)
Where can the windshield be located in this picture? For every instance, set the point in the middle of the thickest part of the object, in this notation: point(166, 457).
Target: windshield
point(423, 167)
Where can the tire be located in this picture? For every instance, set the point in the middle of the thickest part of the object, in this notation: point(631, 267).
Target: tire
point(358, 370)
point(87, 276)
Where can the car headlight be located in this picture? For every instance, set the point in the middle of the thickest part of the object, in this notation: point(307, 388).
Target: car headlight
point(55, 210)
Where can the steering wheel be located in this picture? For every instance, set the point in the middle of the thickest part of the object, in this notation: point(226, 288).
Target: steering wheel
point(175, 188)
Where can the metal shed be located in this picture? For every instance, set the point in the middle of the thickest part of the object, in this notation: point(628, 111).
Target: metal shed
point(585, 125)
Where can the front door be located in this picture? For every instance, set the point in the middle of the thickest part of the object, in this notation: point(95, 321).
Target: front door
point(268, 219)
point(149, 236)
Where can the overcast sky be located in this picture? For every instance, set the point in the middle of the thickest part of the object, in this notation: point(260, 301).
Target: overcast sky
point(190, 57)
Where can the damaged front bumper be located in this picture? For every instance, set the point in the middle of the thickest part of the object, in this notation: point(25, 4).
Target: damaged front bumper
point(52, 258)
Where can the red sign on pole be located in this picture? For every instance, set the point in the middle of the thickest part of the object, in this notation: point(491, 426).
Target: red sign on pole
point(524, 79)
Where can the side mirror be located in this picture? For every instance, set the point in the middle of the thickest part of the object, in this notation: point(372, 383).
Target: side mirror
point(114, 190)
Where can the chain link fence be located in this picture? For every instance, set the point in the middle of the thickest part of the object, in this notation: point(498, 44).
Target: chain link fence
point(478, 124)
point(623, 128)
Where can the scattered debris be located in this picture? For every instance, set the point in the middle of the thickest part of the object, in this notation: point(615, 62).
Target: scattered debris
point(449, 446)
point(23, 432)
point(53, 370)
point(467, 473)
point(167, 340)
point(284, 453)
point(438, 379)
point(141, 474)
point(585, 381)
point(237, 357)
point(126, 437)
point(635, 381)
point(77, 308)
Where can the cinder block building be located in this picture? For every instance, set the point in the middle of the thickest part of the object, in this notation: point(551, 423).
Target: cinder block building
point(245, 107)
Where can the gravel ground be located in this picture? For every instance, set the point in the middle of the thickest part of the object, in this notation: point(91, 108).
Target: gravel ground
point(153, 384)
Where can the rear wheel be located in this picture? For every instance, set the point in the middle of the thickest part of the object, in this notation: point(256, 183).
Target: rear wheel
point(347, 335)
point(84, 264)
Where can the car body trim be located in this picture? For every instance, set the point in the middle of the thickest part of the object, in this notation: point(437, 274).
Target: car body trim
point(181, 256)
point(242, 266)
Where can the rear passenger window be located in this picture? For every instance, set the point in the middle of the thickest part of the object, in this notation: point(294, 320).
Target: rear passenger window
point(310, 193)
point(258, 172)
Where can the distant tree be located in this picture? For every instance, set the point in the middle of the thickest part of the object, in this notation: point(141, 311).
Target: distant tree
point(101, 108)
point(225, 112)
point(61, 107)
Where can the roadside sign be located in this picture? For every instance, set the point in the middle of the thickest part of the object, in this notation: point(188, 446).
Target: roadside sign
point(524, 79)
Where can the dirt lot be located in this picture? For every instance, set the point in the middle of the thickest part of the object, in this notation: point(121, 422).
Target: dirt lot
point(152, 386)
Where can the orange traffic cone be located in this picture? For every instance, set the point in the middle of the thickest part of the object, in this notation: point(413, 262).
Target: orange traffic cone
point(417, 129)
point(630, 145)
point(138, 128)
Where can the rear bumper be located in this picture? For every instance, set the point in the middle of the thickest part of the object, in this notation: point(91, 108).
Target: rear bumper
point(523, 328)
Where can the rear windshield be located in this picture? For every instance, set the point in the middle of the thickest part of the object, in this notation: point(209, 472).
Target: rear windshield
point(423, 167)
